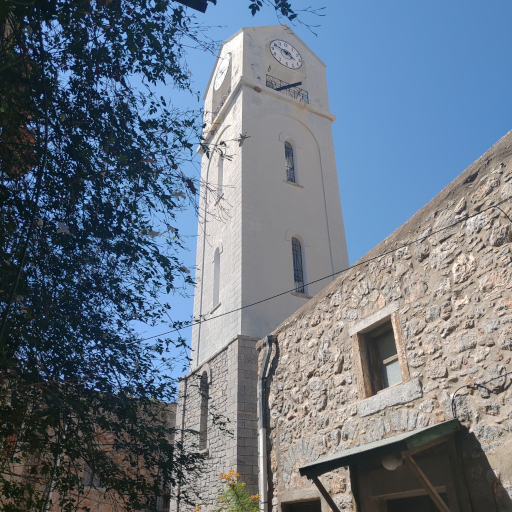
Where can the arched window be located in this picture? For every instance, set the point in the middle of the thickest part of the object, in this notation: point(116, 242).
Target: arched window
point(220, 176)
point(91, 478)
point(204, 390)
point(298, 269)
point(290, 167)
point(216, 277)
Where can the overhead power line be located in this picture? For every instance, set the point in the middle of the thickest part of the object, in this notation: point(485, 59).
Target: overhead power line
point(418, 240)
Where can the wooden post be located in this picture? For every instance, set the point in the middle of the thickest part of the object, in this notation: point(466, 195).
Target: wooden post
point(325, 494)
point(362, 366)
point(354, 486)
point(425, 482)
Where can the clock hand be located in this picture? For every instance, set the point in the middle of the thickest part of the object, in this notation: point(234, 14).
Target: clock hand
point(288, 86)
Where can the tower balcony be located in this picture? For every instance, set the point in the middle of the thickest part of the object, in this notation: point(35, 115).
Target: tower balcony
point(289, 89)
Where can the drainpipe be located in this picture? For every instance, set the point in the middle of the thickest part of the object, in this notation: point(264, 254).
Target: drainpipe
point(262, 426)
point(185, 385)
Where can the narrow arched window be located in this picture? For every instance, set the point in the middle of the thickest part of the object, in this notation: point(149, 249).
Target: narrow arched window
point(290, 166)
point(220, 176)
point(298, 269)
point(204, 390)
point(216, 277)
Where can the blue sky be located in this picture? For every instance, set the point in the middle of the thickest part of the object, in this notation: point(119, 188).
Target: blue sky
point(420, 90)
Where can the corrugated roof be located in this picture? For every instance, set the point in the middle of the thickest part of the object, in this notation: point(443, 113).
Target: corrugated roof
point(395, 444)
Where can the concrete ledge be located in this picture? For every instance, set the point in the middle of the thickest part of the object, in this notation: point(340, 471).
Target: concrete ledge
point(301, 295)
point(211, 129)
point(309, 493)
point(215, 354)
point(215, 308)
point(293, 184)
point(396, 395)
point(373, 319)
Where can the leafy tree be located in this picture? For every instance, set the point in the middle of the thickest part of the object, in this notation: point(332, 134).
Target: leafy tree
point(91, 181)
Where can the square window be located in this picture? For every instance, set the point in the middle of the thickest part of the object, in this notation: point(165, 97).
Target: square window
point(379, 353)
point(383, 357)
point(302, 506)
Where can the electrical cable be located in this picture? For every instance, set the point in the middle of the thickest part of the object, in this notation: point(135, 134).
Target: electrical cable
point(474, 386)
point(421, 239)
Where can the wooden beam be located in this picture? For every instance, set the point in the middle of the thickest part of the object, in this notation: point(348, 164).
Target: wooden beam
point(354, 485)
point(362, 366)
point(405, 494)
point(325, 494)
point(426, 446)
point(425, 482)
point(400, 346)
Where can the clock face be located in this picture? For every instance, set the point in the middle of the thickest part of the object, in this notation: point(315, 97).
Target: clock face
point(222, 71)
point(285, 54)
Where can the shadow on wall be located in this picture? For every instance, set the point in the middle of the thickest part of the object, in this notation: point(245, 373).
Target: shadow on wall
point(486, 474)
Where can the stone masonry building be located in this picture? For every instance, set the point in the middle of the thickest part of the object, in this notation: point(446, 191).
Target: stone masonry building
point(389, 390)
point(441, 287)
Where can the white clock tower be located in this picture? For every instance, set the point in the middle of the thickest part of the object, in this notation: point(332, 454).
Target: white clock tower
point(271, 218)
point(270, 225)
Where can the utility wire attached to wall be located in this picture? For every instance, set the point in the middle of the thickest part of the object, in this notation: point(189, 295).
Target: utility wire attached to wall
point(475, 386)
point(418, 240)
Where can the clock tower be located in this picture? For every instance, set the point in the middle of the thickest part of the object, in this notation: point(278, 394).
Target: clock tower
point(270, 233)
point(270, 217)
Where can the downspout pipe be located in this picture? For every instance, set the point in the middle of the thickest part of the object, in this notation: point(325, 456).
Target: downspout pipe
point(262, 426)
point(182, 438)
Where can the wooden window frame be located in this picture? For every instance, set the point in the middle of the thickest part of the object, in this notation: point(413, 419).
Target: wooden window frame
point(376, 365)
point(362, 360)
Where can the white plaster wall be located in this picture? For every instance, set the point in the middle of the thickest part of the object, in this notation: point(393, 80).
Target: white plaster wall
point(274, 211)
point(260, 212)
point(234, 46)
point(223, 231)
point(256, 61)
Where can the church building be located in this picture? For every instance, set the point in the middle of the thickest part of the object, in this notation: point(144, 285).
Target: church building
point(383, 387)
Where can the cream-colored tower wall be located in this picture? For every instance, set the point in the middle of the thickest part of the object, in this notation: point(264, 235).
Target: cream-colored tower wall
point(274, 210)
point(254, 221)
point(233, 49)
point(223, 234)
point(222, 216)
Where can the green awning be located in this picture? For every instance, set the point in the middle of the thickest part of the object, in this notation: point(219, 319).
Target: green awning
point(395, 444)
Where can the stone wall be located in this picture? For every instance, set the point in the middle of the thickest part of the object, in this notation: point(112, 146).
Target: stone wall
point(447, 272)
point(98, 499)
point(232, 424)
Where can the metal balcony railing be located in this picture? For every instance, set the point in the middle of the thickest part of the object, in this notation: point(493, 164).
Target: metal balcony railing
point(289, 89)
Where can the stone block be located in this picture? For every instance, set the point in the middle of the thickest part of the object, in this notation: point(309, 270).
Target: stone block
point(396, 395)
point(464, 341)
point(436, 369)
point(372, 319)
